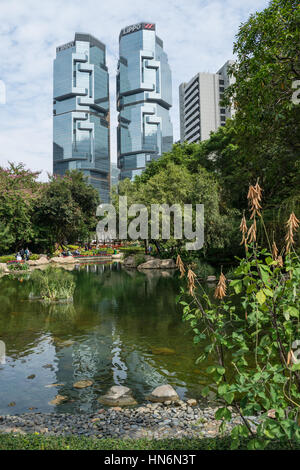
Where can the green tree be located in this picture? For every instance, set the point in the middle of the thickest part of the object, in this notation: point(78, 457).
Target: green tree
point(66, 210)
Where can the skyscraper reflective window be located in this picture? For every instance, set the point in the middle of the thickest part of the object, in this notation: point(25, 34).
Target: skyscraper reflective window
point(144, 98)
point(81, 111)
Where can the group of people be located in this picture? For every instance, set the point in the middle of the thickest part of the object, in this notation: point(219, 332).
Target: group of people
point(23, 255)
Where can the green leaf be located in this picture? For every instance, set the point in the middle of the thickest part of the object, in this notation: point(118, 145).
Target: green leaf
point(223, 413)
point(237, 285)
point(205, 391)
point(220, 370)
point(261, 297)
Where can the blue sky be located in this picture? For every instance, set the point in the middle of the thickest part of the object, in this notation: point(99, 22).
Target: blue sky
point(198, 36)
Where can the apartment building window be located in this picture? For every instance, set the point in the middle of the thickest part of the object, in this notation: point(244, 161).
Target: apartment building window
point(223, 111)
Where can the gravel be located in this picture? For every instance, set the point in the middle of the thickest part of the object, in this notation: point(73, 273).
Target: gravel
point(147, 421)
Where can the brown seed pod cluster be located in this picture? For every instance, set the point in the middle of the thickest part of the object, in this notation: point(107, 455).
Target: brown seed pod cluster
point(221, 288)
point(191, 281)
point(292, 227)
point(180, 266)
point(254, 199)
point(244, 230)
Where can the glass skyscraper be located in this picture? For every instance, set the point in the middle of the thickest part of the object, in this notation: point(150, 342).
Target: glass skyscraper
point(144, 98)
point(81, 111)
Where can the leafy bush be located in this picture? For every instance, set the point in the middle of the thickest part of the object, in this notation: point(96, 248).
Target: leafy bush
point(73, 247)
point(53, 284)
point(34, 257)
point(139, 259)
point(253, 350)
point(7, 258)
point(19, 267)
point(203, 269)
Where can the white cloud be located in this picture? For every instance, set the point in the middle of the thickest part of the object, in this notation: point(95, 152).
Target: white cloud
point(198, 36)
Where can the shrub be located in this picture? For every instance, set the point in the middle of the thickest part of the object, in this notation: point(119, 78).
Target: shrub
point(73, 247)
point(253, 350)
point(19, 267)
point(7, 258)
point(203, 269)
point(34, 257)
point(139, 259)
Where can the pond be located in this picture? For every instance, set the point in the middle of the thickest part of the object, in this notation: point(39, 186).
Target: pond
point(124, 328)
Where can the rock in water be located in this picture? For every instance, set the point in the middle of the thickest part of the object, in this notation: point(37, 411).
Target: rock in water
point(83, 384)
point(163, 351)
point(58, 400)
point(158, 264)
point(118, 395)
point(163, 393)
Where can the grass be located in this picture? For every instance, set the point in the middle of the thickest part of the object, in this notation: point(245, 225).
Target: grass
point(39, 442)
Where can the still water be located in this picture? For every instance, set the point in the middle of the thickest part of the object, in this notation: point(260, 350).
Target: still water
point(124, 328)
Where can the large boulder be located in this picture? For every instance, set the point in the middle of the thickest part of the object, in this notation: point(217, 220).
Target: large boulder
point(130, 262)
point(158, 264)
point(63, 260)
point(167, 264)
point(118, 395)
point(164, 393)
point(3, 268)
point(151, 264)
point(39, 262)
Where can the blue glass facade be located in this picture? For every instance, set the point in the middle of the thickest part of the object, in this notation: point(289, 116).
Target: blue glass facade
point(81, 112)
point(144, 98)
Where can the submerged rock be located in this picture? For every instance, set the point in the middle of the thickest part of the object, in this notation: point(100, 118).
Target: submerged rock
point(58, 400)
point(83, 384)
point(163, 393)
point(54, 385)
point(163, 351)
point(118, 395)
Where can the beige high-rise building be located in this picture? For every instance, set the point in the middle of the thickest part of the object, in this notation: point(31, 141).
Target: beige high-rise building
point(199, 101)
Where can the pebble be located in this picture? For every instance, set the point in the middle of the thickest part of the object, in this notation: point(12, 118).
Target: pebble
point(147, 421)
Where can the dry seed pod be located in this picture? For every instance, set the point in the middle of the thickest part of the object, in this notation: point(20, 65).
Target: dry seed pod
point(191, 281)
point(221, 288)
point(292, 227)
point(180, 266)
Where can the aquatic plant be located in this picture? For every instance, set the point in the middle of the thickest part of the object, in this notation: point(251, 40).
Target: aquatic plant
point(53, 284)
